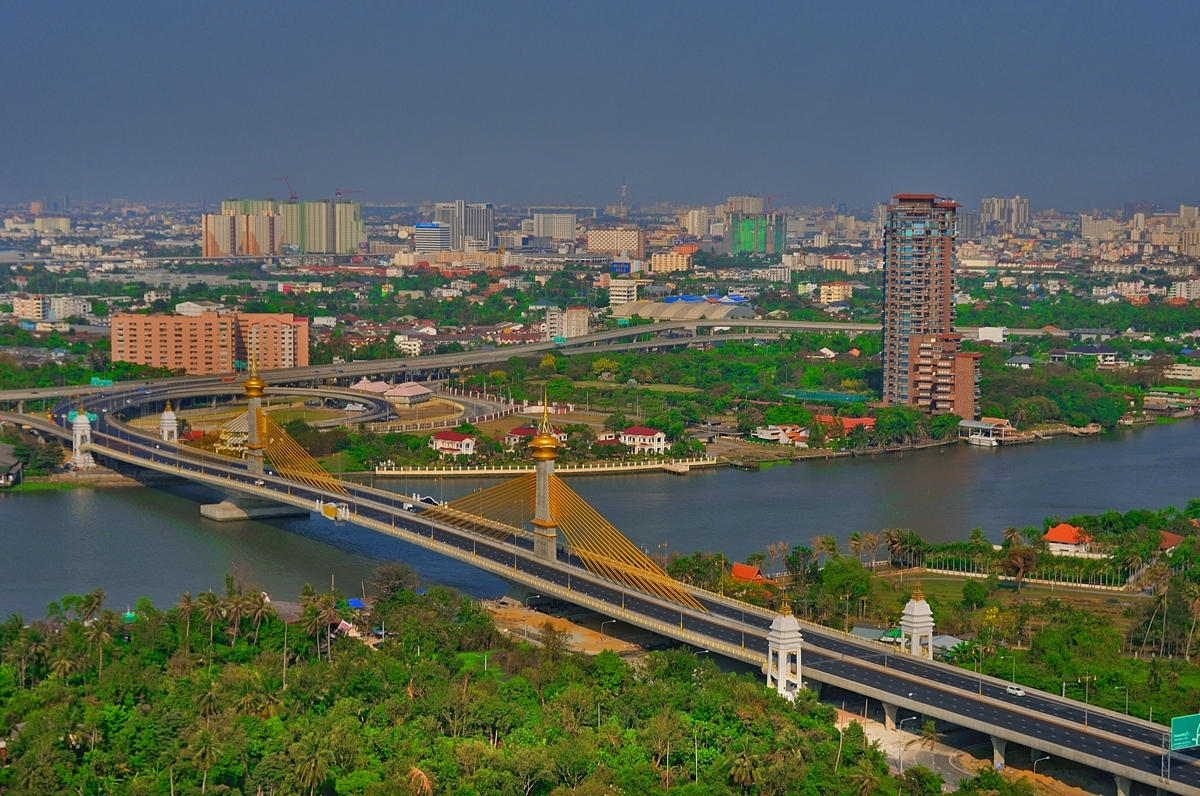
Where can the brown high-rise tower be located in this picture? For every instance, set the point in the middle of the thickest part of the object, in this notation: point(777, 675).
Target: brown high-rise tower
point(918, 286)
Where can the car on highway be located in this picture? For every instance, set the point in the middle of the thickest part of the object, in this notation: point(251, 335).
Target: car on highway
point(1015, 690)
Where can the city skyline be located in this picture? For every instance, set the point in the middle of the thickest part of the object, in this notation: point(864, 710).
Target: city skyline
point(557, 104)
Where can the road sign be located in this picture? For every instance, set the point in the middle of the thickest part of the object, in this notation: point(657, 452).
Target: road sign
point(559, 339)
point(99, 382)
point(1185, 731)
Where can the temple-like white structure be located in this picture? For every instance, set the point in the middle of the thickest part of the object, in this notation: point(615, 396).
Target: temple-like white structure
point(916, 626)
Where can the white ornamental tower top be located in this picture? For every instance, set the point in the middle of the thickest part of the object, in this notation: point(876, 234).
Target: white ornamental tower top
point(168, 425)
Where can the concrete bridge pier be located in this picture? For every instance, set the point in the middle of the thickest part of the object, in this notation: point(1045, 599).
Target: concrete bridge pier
point(999, 745)
point(889, 716)
point(243, 507)
point(1124, 784)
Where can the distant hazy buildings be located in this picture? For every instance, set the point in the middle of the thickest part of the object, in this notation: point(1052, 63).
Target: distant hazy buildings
point(556, 226)
point(918, 288)
point(568, 323)
point(756, 233)
point(210, 342)
point(251, 227)
point(750, 205)
point(999, 216)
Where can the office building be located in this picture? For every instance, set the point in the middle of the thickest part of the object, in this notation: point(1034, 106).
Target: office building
point(1094, 230)
point(744, 205)
point(350, 236)
point(840, 262)
point(970, 226)
point(310, 227)
point(556, 226)
point(431, 237)
point(209, 342)
point(240, 235)
point(999, 216)
point(942, 378)
point(450, 215)
point(249, 207)
point(918, 284)
point(479, 227)
point(31, 307)
point(619, 240)
point(668, 262)
point(621, 291)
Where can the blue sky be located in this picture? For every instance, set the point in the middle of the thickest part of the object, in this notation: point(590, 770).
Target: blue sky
point(1075, 105)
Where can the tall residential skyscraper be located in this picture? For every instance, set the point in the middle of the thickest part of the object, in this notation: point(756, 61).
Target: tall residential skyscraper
point(450, 214)
point(918, 284)
point(348, 227)
point(1001, 216)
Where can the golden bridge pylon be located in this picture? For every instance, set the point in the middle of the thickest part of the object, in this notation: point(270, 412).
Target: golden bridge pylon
point(286, 455)
point(544, 500)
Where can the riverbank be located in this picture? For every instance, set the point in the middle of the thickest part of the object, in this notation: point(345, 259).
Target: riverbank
point(676, 466)
point(74, 479)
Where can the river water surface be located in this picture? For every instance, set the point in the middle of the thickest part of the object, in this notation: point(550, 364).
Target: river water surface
point(152, 542)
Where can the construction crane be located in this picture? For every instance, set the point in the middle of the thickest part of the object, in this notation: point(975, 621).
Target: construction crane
point(776, 196)
point(338, 193)
point(291, 193)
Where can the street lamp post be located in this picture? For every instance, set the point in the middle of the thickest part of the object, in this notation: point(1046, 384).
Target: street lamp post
point(1035, 762)
point(900, 743)
point(527, 599)
point(602, 624)
point(1126, 690)
point(1086, 680)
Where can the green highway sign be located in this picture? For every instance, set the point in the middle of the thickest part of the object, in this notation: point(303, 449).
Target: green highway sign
point(1185, 731)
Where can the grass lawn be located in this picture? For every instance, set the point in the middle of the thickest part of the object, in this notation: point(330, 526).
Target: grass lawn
point(307, 414)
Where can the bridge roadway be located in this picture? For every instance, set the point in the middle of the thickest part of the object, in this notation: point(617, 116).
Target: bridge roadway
point(599, 342)
point(1110, 741)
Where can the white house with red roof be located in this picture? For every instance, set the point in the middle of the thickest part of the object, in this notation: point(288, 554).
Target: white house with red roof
point(452, 443)
point(643, 439)
point(1070, 542)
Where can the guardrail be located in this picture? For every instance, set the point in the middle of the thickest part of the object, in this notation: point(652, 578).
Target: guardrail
point(463, 471)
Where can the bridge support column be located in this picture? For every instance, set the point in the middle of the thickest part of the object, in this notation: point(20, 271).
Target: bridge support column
point(889, 716)
point(1124, 784)
point(999, 745)
point(238, 507)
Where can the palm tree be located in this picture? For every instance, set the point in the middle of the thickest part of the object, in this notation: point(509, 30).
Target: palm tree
point(741, 767)
point(204, 752)
point(1019, 561)
point(259, 609)
point(818, 548)
point(929, 737)
point(864, 778)
point(871, 544)
point(186, 606)
point(98, 633)
point(1012, 536)
point(210, 611)
point(1193, 598)
point(63, 664)
point(208, 702)
point(855, 545)
point(311, 759)
point(93, 603)
point(830, 545)
point(419, 782)
point(314, 624)
point(894, 539)
point(235, 607)
point(17, 655)
point(327, 609)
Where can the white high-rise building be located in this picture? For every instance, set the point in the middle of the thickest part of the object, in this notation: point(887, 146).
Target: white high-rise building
point(556, 226)
point(479, 226)
point(451, 215)
point(621, 291)
point(697, 222)
point(431, 237)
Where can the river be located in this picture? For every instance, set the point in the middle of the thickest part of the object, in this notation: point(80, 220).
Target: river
point(152, 542)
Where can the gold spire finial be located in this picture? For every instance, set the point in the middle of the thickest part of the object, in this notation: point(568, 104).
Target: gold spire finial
point(254, 386)
point(785, 606)
point(168, 409)
point(917, 594)
point(544, 444)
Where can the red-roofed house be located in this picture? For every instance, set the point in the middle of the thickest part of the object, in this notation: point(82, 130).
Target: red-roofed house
point(1067, 540)
point(848, 423)
point(749, 574)
point(451, 443)
point(641, 439)
point(1168, 541)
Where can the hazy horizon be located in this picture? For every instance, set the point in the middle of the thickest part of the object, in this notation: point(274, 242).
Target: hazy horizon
point(1076, 107)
